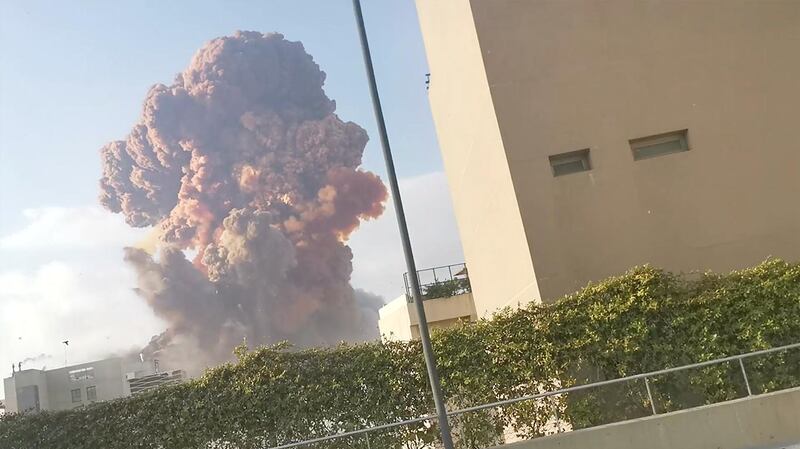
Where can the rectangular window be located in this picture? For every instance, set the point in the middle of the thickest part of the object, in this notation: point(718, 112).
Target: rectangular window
point(572, 162)
point(76, 395)
point(659, 145)
point(91, 393)
point(81, 374)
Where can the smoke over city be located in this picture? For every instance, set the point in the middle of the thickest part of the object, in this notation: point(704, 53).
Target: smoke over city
point(252, 185)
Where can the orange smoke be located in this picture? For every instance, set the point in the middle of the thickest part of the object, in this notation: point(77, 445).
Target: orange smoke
point(243, 161)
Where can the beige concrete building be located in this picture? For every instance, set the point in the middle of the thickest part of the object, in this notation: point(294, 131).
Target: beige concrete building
point(447, 296)
point(582, 137)
point(398, 320)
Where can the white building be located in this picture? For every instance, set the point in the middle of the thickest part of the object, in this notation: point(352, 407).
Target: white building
point(33, 390)
point(447, 298)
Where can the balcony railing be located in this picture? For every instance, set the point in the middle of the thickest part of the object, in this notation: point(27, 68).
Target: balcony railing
point(440, 282)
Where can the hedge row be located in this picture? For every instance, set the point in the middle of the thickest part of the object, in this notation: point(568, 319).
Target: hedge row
point(646, 320)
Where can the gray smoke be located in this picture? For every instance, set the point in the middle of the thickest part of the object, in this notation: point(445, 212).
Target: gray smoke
point(243, 163)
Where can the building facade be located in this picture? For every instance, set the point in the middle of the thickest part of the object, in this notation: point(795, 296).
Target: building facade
point(581, 138)
point(398, 320)
point(447, 298)
point(34, 390)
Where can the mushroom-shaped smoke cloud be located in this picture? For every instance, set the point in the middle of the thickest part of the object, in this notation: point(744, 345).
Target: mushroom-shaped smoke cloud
point(243, 163)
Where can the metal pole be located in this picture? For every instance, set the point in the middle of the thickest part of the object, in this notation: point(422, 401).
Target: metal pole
point(744, 374)
point(558, 421)
point(411, 268)
point(650, 396)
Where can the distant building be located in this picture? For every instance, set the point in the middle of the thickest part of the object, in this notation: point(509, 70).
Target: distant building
point(34, 390)
point(447, 298)
point(151, 381)
point(581, 138)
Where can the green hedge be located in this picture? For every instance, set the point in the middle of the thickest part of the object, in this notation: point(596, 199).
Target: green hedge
point(646, 320)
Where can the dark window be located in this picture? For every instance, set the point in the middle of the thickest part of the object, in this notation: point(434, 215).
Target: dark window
point(660, 145)
point(76, 395)
point(91, 393)
point(572, 162)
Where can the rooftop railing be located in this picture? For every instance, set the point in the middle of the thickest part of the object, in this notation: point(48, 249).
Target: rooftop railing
point(441, 282)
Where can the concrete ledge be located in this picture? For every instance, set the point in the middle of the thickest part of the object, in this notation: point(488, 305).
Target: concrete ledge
point(766, 421)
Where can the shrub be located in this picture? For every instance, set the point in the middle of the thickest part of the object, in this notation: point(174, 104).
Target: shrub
point(445, 289)
point(642, 321)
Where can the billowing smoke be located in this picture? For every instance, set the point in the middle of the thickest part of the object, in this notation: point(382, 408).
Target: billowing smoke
point(243, 164)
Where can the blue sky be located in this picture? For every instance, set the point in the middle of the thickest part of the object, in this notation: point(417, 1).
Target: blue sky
point(74, 75)
point(74, 78)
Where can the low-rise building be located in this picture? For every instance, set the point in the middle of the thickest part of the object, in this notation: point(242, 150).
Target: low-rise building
point(447, 298)
point(70, 387)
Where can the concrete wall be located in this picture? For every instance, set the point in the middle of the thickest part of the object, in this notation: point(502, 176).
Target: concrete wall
point(398, 320)
point(572, 74)
point(394, 320)
point(489, 220)
point(11, 395)
point(444, 312)
point(15, 385)
point(765, 421)
point(109, 381)
point(515, 81)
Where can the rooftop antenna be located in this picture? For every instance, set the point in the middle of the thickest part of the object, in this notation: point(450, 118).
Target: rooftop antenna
point(66, 345)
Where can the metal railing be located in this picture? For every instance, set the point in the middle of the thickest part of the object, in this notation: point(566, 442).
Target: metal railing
point(441, 282)
point(644, 376)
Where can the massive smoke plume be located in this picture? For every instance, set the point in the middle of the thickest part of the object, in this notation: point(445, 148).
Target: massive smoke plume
point(243, 164)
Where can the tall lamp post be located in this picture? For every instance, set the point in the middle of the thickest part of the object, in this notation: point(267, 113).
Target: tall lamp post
point(413, 279)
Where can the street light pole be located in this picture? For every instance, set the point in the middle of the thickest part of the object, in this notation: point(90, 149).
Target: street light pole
point(413, 279)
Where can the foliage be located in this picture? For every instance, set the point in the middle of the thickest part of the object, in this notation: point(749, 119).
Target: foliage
point(445, 289)
point(646, 320)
